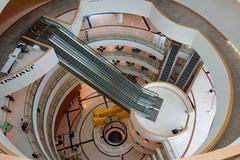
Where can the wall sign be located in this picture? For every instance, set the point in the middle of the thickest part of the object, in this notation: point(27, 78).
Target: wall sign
point(19, 74)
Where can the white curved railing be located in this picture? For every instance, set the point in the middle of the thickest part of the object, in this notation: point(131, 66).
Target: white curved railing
point(180, 33)
point(37, 100)
point(28, 116)
point(55, 106)
point(35, 117)
point(39, 97)
point(57, 95)
point(145, 61)
point(32, 95)
point(51, 90)
point(198, 41)
point(145, 45)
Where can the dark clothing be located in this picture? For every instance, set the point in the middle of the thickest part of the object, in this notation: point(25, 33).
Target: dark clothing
point(10, 98)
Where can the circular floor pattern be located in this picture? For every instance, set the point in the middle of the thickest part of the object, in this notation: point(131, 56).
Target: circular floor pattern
point(115, 137)
point(114, 133)
point(114, 149)
point(97, 148)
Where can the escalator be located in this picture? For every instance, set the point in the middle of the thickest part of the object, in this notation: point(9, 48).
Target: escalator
point(169, 62)
point(84, 62)
point(188, 70)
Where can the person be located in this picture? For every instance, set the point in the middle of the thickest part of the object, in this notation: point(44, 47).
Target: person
point(10, 98)
point(86, 34)
point(38, 110)
point(60, 141)
point(24, 125)
point(211, 90)
point(6, 109)
point(35, 155)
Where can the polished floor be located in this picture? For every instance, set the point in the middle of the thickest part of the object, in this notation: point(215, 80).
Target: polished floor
point(89, 138)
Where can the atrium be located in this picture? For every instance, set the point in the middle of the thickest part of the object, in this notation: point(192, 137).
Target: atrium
point(119, 80)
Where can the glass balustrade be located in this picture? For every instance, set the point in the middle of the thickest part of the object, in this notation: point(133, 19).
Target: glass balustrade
point(82, 60)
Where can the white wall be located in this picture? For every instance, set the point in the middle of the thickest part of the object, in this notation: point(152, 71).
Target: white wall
point(182, 34)
point(170, 29)
point(221, 82)
point(28, 75)
point(223, 14)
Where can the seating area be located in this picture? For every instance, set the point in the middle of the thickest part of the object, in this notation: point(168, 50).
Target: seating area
point(101, 48)
point(119, 48)
point(136, 50)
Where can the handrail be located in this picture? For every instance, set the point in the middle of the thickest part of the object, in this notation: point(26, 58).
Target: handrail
point(43, 100)
point(145, 115)
point(59, 95)
point(56, 80)
point(149, 61)
point(194, 124)
point(78, 55)
point(51, 31)
point(87, 66)
point(28, 110)
point(161, 49)
point(48, 21)
point(28, 114)
point(173, 149)
point(103, 77)
point(148, 75)
point(91, 50)
point(52, 37)
point(35, 134)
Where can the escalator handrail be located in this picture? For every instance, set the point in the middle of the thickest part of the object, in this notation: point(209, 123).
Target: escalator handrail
point(140, 89)
point(146, 101)
point(149, 106)
point(64, 30)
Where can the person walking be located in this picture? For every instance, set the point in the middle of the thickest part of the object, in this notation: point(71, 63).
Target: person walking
point(24, 125)
point(10, 97)
point(35, 155)
point(6, 109)
point(86, 35)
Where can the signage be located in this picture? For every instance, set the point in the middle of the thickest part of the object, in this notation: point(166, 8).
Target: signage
point(17, 75)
